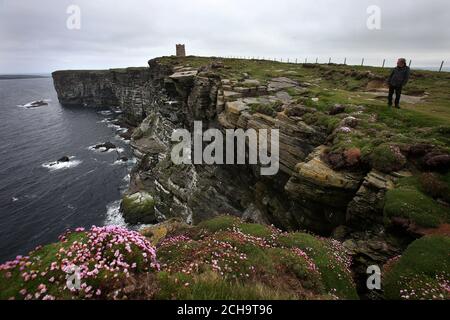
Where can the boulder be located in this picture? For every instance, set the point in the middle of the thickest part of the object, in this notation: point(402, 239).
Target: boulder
point(158, 232)
point(337, 109)
point(315, 181)
point(366, 209)
point(184, 75)
point(107, 146)
point(298, 110)
point(387, 158)
point(350, 122)
point(139, 208)
point(437, 162)
point(36, 104)
point(64, 159)
point(420, 149)
point(281, 83)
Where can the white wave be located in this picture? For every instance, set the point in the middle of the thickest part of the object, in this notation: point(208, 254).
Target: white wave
point(105, 112)
point(30, 105)
point(114, 126)
point(113, 215)
point(122, 139)
point(55, 165)
point(122, 130)
point(14, 199)
point(106, 120)
point(104, 150)
point(119, 162)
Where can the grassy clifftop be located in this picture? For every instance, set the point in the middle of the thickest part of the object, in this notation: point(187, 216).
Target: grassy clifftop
point(429, 92)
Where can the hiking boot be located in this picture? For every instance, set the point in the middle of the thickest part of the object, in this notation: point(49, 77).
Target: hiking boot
point(397, 106)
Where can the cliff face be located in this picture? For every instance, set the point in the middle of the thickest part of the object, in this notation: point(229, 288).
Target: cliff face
point(306, 193)
point(132, 90)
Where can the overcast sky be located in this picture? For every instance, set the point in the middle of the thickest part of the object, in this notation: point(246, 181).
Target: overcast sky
point(34, 37)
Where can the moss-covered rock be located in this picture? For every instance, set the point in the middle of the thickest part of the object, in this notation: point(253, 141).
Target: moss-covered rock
point(408, 202)
point(138, 208)
point(422, 272)
point(331, 259)
point(387, 158)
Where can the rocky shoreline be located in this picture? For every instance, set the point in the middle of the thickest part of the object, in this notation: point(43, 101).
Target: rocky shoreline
point(326, 185)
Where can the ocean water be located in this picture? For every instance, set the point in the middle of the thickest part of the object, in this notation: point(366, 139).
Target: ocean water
point(40, 199)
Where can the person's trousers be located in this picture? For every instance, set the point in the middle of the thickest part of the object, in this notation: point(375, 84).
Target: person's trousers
point(398, 94)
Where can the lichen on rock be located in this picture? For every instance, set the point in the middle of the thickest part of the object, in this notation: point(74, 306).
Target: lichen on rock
point(138, 208)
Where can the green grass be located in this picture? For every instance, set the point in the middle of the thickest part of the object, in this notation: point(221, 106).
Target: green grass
point(40, 261)
point(267, 109)
point(335, 276)
point(221, 223)
point(384, 158)
point(407, 201)
point(421, 271)
point(210, 287)
point(268, 253)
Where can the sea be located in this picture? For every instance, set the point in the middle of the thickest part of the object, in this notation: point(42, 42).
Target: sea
point(41, 198)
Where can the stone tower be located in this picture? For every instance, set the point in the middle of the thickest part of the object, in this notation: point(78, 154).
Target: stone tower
point(181, 50)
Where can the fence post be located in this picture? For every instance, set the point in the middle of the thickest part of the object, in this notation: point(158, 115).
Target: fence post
point(410, 61)
point(317, 60)
point(384, 62)
point(442, 65)
point(296, 60)
point(306, 60)
point(362, 63)
point(329, 61)
point(345, 61)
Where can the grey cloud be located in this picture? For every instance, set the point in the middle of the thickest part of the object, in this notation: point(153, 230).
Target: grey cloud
point(34, 37)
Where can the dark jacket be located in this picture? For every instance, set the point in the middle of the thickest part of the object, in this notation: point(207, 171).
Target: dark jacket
point(399, 77)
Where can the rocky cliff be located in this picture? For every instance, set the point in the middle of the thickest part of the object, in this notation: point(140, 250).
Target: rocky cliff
point(163, 98)
point(333, 177)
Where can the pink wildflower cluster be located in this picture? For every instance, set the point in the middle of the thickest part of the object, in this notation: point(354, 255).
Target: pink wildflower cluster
point(110, 249)
point(175, 240)
point(311, 265)
point(227, 259)
point(257, 241)
point(106, 252)
point(423, 289)
point(340, 254)
point(220, 256)
point(390, 263)
point(20, 261)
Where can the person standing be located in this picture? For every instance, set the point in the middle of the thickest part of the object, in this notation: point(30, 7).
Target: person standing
point(397, 80)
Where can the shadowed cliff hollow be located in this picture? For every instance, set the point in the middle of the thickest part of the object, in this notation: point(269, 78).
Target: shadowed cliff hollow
point(371, 177)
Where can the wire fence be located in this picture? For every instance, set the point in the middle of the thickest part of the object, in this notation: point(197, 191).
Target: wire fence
point(439, 67)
